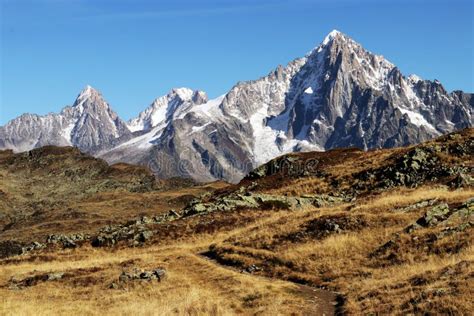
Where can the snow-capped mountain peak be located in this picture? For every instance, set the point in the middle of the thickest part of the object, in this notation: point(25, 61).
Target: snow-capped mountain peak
point(185, 94)
point(89, 124)
point(91, 101)
point(86, 93)
point(88, 89)
point(165, 107)
point(338, 95)
point(331, 36)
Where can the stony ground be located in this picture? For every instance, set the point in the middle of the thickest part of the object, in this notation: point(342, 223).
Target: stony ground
point(346, 231)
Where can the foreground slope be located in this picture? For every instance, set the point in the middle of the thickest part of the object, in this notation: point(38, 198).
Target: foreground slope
point(343, 231)
point(53, 190)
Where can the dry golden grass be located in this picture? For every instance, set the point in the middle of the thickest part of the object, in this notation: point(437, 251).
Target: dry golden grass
point(194, 285)
point(301, 186)
point(358, 249)
point(343, 261)
point(199, 286)
point(392, 200)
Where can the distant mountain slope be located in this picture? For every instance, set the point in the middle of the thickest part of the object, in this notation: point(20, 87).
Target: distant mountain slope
point(339, 95)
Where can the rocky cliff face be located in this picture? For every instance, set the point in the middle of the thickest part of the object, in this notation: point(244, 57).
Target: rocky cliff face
point(338, 95)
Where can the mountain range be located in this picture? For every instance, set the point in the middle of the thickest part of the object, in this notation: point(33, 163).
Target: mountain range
point(338, 95)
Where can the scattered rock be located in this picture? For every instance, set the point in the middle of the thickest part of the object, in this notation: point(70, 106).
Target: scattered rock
point(173, 213)
point(417, 166)
point(442, 221)
point(462, 180)
point(250, 200)
point(67, 241)
point(416, 206)
point(251, 269)
point(10, 248)
point(55, 276)
point(134, 231)
point(138, 274)
point(35, 279)
point(324, 226)
point(103, 240)
point(436, 214)
point(143, 236)
point(287, 165)
point(111, 235)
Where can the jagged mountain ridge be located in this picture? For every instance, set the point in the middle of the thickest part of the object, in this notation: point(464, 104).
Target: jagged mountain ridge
point(338, 95)
point(89, 124)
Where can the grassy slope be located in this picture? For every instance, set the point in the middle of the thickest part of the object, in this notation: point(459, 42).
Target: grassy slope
point(419, 273)
point(61, 190)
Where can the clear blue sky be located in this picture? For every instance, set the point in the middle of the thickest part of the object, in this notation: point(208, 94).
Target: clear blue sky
point(134, 51)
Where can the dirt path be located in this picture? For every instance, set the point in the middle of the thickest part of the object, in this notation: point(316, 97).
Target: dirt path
point(316, 301)
point(195, 285)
